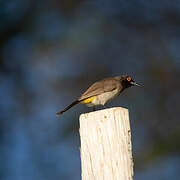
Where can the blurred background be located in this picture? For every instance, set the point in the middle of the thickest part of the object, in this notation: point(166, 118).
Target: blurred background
point(52, 50)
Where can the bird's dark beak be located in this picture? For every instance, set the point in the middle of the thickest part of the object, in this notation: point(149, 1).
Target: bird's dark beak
point(135, 84)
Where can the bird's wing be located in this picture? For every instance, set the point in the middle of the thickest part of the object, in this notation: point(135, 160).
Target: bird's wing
point(105, 85)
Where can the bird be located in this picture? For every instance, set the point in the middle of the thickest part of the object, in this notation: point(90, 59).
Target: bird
point(103, 91)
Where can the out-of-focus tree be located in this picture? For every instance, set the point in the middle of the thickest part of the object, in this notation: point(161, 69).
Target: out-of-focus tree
point(50, 51)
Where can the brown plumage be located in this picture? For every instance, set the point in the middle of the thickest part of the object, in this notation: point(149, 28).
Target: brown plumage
point(102, 91)
point(99, 87)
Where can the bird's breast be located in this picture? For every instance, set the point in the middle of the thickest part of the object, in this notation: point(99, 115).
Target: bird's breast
point(103, 98)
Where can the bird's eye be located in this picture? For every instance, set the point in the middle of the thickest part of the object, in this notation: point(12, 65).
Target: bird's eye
point(128, 79)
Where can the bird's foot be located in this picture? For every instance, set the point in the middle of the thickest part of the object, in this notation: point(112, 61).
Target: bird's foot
point(105, 106)
point(94, 108)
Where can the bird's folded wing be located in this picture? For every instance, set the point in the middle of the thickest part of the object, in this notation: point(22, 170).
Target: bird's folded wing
point(105, 85)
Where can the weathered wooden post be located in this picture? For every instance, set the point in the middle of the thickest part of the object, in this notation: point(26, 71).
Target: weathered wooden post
point(106, 152)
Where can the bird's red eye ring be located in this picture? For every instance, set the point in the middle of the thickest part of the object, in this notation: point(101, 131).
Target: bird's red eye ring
point(128, 78)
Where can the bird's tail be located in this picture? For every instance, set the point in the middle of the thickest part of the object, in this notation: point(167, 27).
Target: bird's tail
point(67, 108)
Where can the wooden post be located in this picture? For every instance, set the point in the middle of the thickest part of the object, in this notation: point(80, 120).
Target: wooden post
point(106, 152)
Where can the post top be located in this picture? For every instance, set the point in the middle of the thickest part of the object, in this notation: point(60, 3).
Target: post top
point(105, 110)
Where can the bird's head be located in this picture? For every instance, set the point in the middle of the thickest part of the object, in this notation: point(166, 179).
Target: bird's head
point(127, 81)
